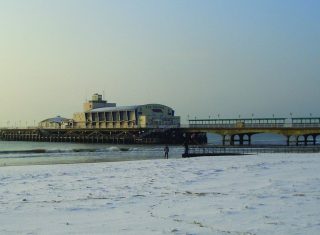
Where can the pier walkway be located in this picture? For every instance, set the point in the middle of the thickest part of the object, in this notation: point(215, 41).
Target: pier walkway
point(298, 131)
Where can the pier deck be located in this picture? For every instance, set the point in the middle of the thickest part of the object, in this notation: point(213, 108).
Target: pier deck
point(101, 135)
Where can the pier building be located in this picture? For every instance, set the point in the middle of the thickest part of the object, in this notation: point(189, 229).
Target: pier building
point(56, 123)
point(98, 113)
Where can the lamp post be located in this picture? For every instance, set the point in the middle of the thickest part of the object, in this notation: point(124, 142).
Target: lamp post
point(252, 115)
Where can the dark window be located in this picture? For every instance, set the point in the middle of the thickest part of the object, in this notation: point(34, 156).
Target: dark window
point(157, 110)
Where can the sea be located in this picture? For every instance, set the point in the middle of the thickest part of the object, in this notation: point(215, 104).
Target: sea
point(42, 153)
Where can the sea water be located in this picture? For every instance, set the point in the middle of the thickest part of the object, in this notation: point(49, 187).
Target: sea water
point(33, 153)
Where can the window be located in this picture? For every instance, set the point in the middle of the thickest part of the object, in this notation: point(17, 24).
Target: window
point(157, 110)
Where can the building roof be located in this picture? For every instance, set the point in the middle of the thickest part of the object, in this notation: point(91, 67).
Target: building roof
point(120, 108)
point(56, 119)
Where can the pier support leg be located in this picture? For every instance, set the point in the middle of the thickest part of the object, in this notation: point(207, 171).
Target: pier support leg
point(232, 140)
point(241, 140)
point(288, 140)
point(305, 140)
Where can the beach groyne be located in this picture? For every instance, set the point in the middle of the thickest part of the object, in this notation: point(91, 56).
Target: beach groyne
point(216, 150)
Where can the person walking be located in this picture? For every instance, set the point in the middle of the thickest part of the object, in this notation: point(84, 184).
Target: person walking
point(186, 149)
point(166, 152)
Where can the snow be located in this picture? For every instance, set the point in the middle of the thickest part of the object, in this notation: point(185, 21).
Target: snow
point(260, 194)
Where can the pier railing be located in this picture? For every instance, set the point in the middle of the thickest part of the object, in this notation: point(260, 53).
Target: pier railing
point(304, 122)
point(270, 125)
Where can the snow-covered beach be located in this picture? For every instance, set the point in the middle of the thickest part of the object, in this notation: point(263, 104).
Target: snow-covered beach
point(259, 194)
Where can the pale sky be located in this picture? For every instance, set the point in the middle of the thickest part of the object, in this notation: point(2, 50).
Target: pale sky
point(227, 57)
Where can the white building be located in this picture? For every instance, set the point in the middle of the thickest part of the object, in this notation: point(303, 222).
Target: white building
point(98, 113)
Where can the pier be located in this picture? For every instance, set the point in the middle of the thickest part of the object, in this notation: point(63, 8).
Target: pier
point(297, 131)
point(101, 135)
point(234, 132)
point(214, 150)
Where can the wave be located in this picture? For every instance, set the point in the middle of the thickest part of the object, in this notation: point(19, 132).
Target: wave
point(81, 150)
point(23, 151)
point(100, 152)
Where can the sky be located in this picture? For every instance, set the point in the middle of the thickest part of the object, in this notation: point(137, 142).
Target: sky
point(201, 57)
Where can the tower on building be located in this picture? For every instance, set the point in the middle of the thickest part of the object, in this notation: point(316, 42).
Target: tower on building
point(97, 102)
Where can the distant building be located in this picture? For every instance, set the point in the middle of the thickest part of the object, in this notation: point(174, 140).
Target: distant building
point(56, 123)
point(98, 113)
